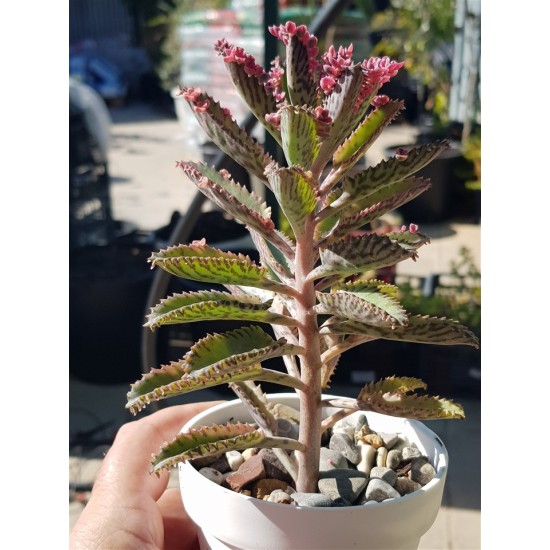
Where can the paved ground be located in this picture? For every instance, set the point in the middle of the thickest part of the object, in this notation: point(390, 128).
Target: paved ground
point(146, 189)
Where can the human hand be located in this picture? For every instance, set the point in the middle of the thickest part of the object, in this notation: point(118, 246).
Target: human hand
point(129, 508)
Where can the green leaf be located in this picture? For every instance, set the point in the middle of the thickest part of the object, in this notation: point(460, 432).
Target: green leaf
point(358, 254)
point(279, 264)
point(339, 228)
point(200, 262)
point(393, 385)
point(216, 359)
point(340, 104)
point(352, 307)
point(252, 91)
point(231, 138)
point(412, 406)
point(301, 89)
point(379, 294)
point(357, 144)
point(294, 194)
point(235, 199)
point(212, 440)
point(189, 307)
point(420, 329)
point(299, 136)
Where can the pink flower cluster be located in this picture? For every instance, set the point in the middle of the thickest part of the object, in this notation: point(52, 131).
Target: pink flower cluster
point(234, 54)
point(193, 96)
point(274, 81)
point(334, 64)
point(376, 72)
point(285, 32)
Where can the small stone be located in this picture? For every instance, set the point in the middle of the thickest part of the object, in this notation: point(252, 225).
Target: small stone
point(221, 464)
point(381, 456)
point(202, 461)
point(343, 443)
point(390, 439)
point(368, 456)
point(234, 460)
point(339, 502)
point(371, 439)
point(379, 490)
point(286, 428)
point(330, 460)
point(249, 453)
point(287, 412)
point(404, 486)
point(393, 459)
point(421, 471)
point(361, 422)
point(264, 487)
point(315, 500)
point(345, 483)
point(409, 453)
point(401, 443)
point(273, 466)
point(386, 474)
point(279, 496)
point(249, 471)
point(344, 427)
point(212, 475)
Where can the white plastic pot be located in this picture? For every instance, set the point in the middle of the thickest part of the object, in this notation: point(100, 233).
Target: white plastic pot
point(229, 520)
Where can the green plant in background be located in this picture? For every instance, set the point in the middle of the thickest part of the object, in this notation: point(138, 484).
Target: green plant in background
point(415, 30)
point(324, 113)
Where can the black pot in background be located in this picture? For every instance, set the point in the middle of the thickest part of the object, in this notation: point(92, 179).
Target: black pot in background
point(108, 290)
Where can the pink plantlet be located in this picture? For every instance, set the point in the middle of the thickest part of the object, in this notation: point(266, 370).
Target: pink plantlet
point(380, 100)
point(201, 106)
point(376, 72)
point(221, 45)
point(190, 94)
point(273, 82)
point(327, 84)
point(401, 153)
point(403, 228)
point(324, 120)
point(274, 119)
point(285, 32)
point(413, 228)
point(225, 174)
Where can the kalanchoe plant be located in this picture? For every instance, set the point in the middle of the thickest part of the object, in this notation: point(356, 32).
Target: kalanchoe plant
point(310, 288)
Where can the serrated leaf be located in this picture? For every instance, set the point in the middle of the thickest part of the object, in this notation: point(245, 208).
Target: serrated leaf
point(231, 138)
point(299, 136)
point(279, 264)
point(349, 306)
point(359, 254)
point(200, 262)
point(392, 384)
point(212, 440)
point(420, 329)
point(343, 226)
point(378, 294)
point(340, 104)
point(294, 194)
point(358, 143)
point(252, 91)
point(300, 86)
point(412, 406)
point(408, 240)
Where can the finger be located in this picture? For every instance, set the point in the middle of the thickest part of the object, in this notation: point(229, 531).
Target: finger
point(127, 465)
point(180, 533)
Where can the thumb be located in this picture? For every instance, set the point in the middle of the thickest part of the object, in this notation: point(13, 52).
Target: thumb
point(180, 533)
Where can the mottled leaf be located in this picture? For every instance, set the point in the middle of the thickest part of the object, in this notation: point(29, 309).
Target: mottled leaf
point(377, 293)
point(359, 254)
point(392, 384)
point(213, 440)
point(349, 306)
point(420, 329)
point(252, 91)
point(300, 86)
point(412, 406)
point(337, 227)
point(222, 129)
point(279, 264)
point(340, 104)
point(299, 136)
point(357, 144)
point(200, 262)
point(294, 194)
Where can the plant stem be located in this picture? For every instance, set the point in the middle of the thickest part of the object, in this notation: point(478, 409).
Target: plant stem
point(308, 337)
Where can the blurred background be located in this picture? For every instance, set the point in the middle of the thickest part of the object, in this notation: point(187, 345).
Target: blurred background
point(128, 127)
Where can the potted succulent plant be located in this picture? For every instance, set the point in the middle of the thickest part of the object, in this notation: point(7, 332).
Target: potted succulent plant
point(315, 291)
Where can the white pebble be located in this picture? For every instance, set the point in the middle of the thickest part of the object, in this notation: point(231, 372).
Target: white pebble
point(212, 475)
point(234, 459)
